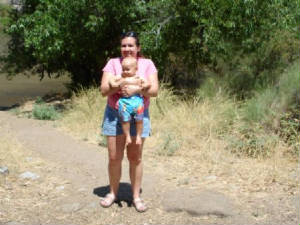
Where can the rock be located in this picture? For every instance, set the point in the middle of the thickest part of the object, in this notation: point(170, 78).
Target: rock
point(60, 188)
point(211, 178)
point(4, 170)
point(29, 175)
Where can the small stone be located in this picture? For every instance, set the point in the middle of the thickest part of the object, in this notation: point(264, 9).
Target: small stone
point(29, 175)
point(60, 188)
point(28, 159)
point(4, 170)
point(211, 178)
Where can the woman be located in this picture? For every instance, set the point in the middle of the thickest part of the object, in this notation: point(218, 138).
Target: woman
point(111, 128)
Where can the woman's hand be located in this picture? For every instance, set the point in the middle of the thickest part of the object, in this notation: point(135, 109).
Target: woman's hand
point(105, 87)
point(129, 90)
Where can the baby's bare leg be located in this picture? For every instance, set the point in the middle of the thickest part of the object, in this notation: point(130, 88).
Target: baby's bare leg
point(126, 130)
point(139, 130)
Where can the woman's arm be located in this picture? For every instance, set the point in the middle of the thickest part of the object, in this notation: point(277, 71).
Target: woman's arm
point(154, 86)
point(105, 88)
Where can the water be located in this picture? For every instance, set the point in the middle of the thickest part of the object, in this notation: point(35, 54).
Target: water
point(21, 88)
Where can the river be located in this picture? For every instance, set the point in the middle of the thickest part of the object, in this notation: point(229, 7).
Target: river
point(21, 88)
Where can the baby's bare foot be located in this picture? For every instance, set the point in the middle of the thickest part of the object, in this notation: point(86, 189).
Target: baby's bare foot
point(128, 140)
point(138, 140)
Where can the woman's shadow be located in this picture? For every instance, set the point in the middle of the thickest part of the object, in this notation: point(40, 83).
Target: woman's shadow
point(124, 194)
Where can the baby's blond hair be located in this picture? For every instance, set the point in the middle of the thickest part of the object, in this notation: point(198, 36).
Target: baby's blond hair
point(129, 60)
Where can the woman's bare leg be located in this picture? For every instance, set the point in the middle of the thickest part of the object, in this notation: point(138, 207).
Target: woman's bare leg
point(134, 154)
point(115, 146)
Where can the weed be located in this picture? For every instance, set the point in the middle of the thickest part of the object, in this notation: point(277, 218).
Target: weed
point(253, 142)
point(170, 145)
point(39, 100)
point(43, 111)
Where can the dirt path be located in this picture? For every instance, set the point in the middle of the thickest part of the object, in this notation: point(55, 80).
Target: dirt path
point(80, 169)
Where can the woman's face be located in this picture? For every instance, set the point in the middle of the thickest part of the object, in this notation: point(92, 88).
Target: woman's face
point(129, 47)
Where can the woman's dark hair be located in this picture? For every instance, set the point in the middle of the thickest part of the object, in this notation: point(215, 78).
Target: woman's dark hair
point(137, 41)
point(131, 34)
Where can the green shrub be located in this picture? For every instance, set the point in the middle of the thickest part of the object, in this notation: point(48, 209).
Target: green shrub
point(39, 100)
point(43, 111)
point(245, 73)
point(269, 117)
point(270, 104)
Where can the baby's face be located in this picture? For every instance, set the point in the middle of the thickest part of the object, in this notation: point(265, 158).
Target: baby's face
point(129, 68)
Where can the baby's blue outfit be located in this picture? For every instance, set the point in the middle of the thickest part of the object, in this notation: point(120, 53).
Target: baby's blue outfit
point(132, 106)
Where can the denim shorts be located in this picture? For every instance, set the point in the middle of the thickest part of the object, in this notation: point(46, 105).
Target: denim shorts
point(111, 125)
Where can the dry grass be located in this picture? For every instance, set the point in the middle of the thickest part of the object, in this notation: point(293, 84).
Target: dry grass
point(188, 148)
point(193, 140)
point(191, 147)
point(84, 116)
point(24, 200)
point(43, 201)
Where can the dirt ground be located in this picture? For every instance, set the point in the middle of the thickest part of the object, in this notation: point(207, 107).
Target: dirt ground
point(73, 177)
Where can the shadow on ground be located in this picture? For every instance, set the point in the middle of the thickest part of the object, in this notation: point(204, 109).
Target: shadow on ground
point(124, 194)
point(7, 108)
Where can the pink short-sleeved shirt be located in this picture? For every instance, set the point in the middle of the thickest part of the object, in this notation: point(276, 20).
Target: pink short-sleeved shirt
point(146, 68)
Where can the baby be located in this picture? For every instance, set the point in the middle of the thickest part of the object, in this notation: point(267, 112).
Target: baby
point(131, 106)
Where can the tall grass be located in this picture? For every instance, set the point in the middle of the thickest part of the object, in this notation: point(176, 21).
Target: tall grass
point(275, 110)
point(184, 126)
point(207, 134)
point(84, 116)
point(203, 127)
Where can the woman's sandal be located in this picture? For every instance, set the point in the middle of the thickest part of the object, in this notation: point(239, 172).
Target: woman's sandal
point(108, 200)
point(139, 205)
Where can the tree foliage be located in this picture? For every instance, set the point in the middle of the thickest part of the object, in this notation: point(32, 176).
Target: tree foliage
point(189, 34)
point(76, 36)
point(181, 36)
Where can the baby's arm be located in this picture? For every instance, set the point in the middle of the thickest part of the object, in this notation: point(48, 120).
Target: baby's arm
point(132, 80)
point(115, 81)
point(136, 80)
point(135, 83)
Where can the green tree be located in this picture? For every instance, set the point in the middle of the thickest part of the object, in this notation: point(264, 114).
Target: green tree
point(191, 34)
point(181, 36)
point(66, 35)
